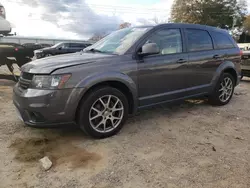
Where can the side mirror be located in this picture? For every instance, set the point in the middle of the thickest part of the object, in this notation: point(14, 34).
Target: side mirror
point(59, 48)
point(150, 49)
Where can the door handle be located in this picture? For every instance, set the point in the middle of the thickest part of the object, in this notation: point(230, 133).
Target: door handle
point(182, 61)
point(217, 56)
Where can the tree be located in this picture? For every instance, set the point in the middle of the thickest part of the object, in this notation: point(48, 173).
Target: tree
point(96, 37)
point(246, 24)
point(218, 13)
point(156, 20)
point(125, 25)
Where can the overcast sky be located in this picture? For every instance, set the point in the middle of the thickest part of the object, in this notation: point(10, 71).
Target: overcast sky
point(79, 19)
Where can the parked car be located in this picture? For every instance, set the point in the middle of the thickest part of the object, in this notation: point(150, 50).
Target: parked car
point(128, 70)
point(5, 27)
point(245, 64)
point(21, 53)
point(36, 46)
point(60, 48)
point(12, 53)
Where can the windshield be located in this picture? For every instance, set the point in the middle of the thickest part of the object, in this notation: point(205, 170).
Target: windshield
point(119, 41)
point(57, 45)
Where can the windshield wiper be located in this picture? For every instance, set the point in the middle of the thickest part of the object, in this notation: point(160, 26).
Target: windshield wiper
point(99, 51)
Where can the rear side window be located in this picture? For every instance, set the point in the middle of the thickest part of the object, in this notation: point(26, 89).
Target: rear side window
point(198, 40)
point(75, 45)
point(83, 45)
point(222, 41)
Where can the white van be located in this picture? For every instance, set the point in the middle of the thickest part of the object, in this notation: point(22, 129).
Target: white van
point(5, 26)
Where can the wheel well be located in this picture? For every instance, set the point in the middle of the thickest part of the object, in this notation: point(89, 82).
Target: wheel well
point(115, 84)
point(233, 73)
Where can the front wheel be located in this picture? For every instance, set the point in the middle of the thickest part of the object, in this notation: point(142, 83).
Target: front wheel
point(48, 55)
point(223, 91)
point(103, 112)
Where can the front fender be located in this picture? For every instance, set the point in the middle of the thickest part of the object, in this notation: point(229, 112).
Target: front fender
point(99, 78)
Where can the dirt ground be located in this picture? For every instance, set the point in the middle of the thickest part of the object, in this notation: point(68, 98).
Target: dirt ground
point(187, 145)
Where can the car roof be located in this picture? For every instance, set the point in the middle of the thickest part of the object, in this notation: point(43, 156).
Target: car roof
point(185, 25)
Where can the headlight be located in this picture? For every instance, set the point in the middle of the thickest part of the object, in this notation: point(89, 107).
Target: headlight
point(49, 82)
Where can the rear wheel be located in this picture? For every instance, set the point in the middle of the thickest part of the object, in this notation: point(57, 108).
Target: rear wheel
point(223, 91)
point(103, 112)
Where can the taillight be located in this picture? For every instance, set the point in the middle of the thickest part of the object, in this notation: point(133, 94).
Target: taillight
point(16, 49)
point(2, 12)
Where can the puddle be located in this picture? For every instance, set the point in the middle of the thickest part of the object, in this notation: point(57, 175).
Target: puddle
point(59, 151)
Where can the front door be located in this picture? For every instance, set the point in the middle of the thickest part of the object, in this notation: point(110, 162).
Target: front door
point(161, 77)
point(64, 49)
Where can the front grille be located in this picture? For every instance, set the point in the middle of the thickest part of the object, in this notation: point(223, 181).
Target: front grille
point(25, 80)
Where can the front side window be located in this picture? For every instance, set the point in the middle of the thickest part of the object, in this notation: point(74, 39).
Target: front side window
point(169, 41)
point(222, 41)
point(119, 41)
point(65, 45)
point(198, 40)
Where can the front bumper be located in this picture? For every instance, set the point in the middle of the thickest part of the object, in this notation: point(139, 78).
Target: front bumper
point(42, 108)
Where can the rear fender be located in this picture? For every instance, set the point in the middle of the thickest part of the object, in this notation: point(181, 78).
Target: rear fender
point(222, 68)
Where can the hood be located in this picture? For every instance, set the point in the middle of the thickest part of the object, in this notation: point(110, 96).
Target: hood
point(43, 49)
point(49, 64)
point(47, 48)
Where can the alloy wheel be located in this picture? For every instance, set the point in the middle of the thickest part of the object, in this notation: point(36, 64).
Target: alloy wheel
point(226, 89)
point(106, 113)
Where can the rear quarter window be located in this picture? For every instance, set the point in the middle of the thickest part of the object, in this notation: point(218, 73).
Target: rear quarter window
point(222, 41)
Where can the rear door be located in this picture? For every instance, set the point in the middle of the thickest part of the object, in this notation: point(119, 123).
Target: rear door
point(202, 59)
point(161, 77)
point(227, 49)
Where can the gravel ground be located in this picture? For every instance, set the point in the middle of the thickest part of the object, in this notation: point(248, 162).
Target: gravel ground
point(191, 144)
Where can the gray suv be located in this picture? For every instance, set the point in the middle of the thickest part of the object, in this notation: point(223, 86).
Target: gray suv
point(128, 70)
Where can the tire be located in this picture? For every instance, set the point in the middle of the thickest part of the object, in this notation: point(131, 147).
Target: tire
point(216, 97)
point(48, 55)
point(113, 114)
